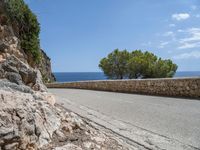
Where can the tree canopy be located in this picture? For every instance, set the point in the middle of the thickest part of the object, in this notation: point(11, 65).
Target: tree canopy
point(136, 64)
point(115, 65)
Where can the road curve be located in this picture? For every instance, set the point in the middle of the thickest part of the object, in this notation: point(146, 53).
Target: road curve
point(175, 118)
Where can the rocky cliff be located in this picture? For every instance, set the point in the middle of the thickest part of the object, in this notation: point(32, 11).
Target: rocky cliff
point(10, 45)
point(29, 118)
point(45, 68)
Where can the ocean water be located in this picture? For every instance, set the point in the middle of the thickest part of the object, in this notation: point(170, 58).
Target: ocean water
point(78, 76)
point(83, 76)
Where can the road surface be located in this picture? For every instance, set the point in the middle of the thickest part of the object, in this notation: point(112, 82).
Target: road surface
point(173, 118)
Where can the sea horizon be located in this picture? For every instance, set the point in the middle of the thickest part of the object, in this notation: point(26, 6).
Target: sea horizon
point(85, 76)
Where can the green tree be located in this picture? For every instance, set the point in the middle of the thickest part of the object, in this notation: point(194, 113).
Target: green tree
point(137, 64)
point(25, 23)
point(115, 64)
point(164, 68)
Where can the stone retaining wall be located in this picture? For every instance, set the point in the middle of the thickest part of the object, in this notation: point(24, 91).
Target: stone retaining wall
point(176, 87)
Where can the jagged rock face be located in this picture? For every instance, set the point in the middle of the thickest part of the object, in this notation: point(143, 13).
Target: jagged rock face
point(45, 68)
point(26, 119)
point(10, 45)
point(20, 73)
point(29, 121)
point(13, 61)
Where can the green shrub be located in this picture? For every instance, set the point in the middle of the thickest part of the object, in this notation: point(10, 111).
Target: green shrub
point(28, 27)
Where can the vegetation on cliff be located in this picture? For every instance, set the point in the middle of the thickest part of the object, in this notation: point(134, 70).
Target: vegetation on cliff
point(28, 28)
point(136, 64)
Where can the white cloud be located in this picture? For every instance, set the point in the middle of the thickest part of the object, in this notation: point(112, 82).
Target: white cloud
point(180, 30)
point(194, 35)
point(189, 45)
point(163, 44)
point(181, 16)
point(172, 25)
point(189, 55)
point(169, 33)
point(193, 39)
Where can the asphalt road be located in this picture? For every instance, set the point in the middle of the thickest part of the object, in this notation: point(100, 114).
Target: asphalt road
point(171, 117)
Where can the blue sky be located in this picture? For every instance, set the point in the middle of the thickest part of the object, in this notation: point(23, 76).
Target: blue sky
point(76, 34)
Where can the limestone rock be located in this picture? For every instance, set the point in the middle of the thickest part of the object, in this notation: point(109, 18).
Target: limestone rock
point(29, 121)
point(47, 96)
point(10, 45)
point(18, 72)
point(68, 147)
point(25, 121)
point(38, 83)
point(14, 77)
point(45, 68)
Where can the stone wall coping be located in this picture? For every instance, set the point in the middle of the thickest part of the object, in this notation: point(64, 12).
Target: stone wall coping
point(149, 79)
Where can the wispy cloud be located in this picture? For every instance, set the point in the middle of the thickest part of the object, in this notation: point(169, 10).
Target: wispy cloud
point(169, 33)
point(189, 45)
point(193, 39)
point(181, 16)
point(163, 44)
point(189, 55)
point(180, 30)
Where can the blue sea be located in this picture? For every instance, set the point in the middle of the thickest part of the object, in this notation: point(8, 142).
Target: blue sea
point(83, 76)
